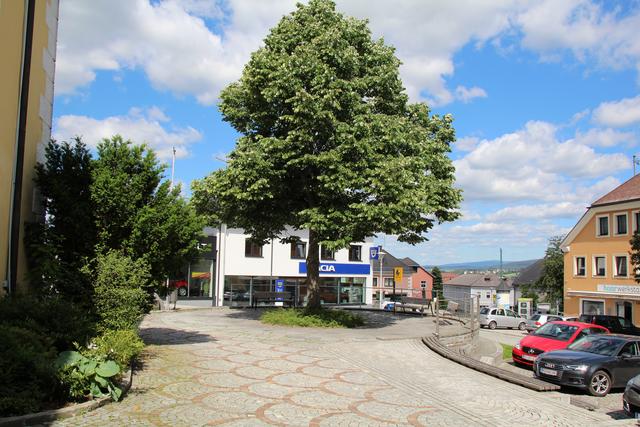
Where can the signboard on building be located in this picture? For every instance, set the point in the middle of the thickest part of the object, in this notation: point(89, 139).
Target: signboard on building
point(279, 288)
point(337, 268)
point(374, 252)
point(619, 289)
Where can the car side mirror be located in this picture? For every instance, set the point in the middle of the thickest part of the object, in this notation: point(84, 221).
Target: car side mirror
point(626, 356)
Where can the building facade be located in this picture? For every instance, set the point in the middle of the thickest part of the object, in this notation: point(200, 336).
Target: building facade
point(235, 267)
point(416, 281)
point(598, 275)
point(493, 291)
point(28, 34)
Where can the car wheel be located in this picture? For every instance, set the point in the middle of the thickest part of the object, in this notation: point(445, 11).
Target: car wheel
point(599, 384)
point(522, 326)
point(492, 325)
point(182, 292)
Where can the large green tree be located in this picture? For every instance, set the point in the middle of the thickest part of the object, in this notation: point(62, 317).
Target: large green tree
point(329, 142)
point(437, 281)
point(551, 282)
point(138, 213)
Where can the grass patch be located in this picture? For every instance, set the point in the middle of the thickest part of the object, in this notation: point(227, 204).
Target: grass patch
point(306, 318)
point(506, 351)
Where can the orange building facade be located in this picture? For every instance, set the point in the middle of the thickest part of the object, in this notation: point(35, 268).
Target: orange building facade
point(598, 274)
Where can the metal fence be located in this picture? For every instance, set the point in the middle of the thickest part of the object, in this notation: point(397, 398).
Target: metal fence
point(457, 314)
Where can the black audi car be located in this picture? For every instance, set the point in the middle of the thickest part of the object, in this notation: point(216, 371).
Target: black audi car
point(596, 363)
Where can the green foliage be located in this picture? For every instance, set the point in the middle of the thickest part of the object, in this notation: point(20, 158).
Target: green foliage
point(329, 142)
point(530, 291)
point(27, 379)
point(121, 290)
point(61, 321)
point(58, 246)
point(437, 279)
point(87, 376)
point(507, 351)
point(315, 318)
point(635, 255)
point(139, 215)
point(121, 346)
point(552, 280)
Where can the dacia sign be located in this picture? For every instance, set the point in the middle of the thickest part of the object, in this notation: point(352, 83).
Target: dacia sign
point(334, 268)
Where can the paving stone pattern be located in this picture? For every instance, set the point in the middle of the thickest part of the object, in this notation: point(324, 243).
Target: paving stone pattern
point(222, 367)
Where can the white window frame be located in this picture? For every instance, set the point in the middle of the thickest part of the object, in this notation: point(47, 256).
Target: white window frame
point(594, 268)
point(615, 266)
point(634, 223)
point(615, 226)
point(575, 266)
point(598, 234)
point(604, 304)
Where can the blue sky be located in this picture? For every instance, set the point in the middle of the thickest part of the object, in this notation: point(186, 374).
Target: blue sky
point(545, 96)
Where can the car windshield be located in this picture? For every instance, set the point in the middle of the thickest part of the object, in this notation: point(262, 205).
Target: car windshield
point(556, 331)
point(484, 310)
point(535, 317)
point(597, 344)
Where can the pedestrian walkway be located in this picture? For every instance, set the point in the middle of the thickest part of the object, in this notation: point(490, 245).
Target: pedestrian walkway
point(223, 367)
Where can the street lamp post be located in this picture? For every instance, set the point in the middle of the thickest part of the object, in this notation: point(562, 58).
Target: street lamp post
point(380, 282)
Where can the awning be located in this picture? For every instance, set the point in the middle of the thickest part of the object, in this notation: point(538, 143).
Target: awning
point(601, 294)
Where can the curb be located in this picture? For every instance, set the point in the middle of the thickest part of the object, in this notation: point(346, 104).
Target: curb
point(503, 374)
point(68, 412)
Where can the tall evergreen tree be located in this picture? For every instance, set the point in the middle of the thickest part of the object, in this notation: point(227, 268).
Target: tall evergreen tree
point(329, 143)
point(551, 282)
point(437, 281)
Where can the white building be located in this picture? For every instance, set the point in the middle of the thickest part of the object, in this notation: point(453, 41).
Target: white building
point(240, 267)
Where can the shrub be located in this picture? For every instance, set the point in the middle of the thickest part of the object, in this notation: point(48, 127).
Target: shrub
point(121, 346)
point(61, 321)
point(319, 318)
point(122, 291)
point(27, 377)
point(87, 376)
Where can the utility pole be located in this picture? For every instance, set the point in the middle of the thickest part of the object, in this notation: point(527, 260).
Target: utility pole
point(173, 166)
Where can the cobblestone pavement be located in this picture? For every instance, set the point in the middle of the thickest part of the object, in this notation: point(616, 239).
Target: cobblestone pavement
point(222, 367)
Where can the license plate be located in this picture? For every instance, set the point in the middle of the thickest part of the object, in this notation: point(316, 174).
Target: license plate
point(546, 371)
point(528, 357)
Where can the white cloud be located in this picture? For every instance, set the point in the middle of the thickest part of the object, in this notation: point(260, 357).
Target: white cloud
point(137, 126)
point(467, 94)
point(467, 143)
point(620, 113)
point(540, 211)
point(532, 164)
point(605, 138)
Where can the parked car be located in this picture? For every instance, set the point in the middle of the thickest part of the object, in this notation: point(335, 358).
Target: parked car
point(595, 363)
point(556, 335)
point(571, 318)
point(501, 318)
point(615, 324)
point(631, 397)
point(537, 320)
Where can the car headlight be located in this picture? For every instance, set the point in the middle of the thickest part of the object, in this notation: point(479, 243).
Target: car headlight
point(577, 368)
point(517, 346)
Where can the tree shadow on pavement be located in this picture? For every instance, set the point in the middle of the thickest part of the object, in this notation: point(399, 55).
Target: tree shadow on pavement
point(168, 336)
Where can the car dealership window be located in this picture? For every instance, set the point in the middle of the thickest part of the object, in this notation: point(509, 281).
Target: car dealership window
point(592, 307)
point(298, 250)
point(355, 253)
point(327, 254)
point(252, 249)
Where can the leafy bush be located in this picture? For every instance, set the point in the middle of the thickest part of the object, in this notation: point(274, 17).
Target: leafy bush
point(318, 318)
point(122, 291)
point(121, 346)
point(61, 321)
point(27, 377)
point(87, 376)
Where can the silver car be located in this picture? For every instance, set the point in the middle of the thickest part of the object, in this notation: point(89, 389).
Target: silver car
point(537, 320)
point(501, 318)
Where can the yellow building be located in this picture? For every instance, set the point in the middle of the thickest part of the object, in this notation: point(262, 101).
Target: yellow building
point(598, 275)
point(28, 34)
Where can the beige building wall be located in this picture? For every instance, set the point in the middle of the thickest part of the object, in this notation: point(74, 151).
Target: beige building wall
point(612, 290)
point(38, 129)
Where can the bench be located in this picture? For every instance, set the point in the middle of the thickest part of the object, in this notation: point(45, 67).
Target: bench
point(415, 304)
point(271, 297)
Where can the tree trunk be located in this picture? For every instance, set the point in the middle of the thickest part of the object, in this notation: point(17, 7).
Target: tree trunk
point(313, 272)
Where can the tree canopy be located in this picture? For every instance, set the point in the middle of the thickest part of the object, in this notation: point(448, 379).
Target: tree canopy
point(551, 282)
point(329, 142)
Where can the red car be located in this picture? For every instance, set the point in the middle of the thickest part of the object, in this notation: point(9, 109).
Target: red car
point(555, 335)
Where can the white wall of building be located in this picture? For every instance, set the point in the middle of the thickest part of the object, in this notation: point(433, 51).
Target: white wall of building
point(276, 259)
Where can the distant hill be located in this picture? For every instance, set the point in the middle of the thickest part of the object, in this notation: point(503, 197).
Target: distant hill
point(484, 265)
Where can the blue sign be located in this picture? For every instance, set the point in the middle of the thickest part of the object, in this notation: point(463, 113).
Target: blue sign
point(279, 287)
point(337, 269)
point(374, 251)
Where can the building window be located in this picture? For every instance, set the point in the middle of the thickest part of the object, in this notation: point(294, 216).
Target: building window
point(375, 282)
point(298, 250)
point(621, 224)
point(423, 283)
point(388, 282)
point(620, 265)
point(355, 253)
point(327, 254)
point(488, 295)
point(603, 225)
point(592, 307)
point(252, 249)
point(599, 266)
point(636, 221)
point(581, 266)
